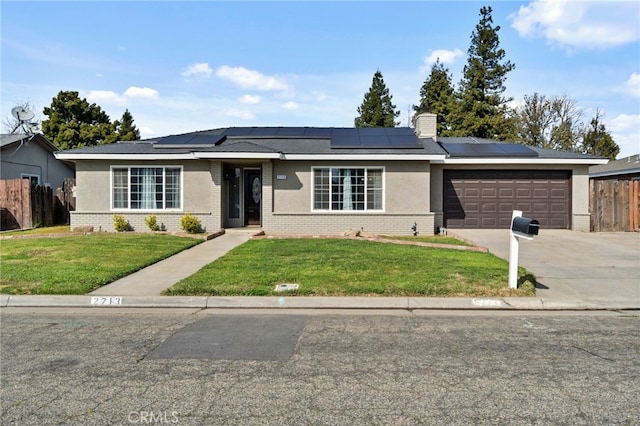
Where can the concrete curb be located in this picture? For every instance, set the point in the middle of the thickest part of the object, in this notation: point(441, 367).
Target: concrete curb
point(300, 302)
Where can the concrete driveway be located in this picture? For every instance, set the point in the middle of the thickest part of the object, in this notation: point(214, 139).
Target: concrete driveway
point(591, 269)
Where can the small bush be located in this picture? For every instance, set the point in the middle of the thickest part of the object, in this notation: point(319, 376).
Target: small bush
point(120, 223)
point(190, 224)
point(152, 222)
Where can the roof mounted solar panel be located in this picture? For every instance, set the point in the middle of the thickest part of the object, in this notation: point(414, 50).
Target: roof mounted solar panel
point(189, 141)
point(375, 138)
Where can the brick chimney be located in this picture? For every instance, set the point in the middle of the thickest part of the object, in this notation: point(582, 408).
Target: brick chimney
point(426, 125)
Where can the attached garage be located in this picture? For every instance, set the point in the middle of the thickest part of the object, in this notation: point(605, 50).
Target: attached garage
point(487, 198)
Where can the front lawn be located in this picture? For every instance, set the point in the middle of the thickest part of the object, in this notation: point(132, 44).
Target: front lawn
point(79, 264)
point(343, 267)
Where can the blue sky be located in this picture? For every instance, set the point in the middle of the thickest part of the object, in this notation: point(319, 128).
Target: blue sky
point(186, 66)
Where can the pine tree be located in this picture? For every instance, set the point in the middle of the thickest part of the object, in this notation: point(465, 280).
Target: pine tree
point(437, 97)
point(127, 131)
point(74, 123)
point(482, 108)
point(597, 140)
point(377, 110)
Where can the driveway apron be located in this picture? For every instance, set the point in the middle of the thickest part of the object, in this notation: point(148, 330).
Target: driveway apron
point(599, 269)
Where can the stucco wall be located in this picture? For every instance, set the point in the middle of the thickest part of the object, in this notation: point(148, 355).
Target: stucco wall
point(406, 201)
point(34, 160)
point(580, 216)
point(200, 195)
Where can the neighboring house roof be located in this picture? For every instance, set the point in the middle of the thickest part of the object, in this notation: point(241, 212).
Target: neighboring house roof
point(624, 166)
point(9, 140)
point(324, 143)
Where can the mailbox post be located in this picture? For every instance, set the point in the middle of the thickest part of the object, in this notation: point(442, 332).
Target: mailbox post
point(521, 227)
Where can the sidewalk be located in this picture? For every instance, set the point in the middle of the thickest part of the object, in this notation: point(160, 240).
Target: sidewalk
point(152, 280)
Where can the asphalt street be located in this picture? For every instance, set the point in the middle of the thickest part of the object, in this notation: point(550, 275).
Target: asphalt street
point(250, 367)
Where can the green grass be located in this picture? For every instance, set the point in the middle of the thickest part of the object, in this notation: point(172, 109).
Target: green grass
point(340, 267)
point(433, 239)
point(62, 229)
point(79, 264)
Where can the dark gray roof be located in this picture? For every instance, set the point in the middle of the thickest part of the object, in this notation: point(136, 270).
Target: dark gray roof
point(623, 166)
point(511, 150)
point(286, 140)
point(327, 141)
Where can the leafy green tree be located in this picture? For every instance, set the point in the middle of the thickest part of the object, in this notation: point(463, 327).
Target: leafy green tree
point(597, 140)
point(74, 123)
point(437, 97)
point(377, 110)
point(127, 131)
point(482, 108)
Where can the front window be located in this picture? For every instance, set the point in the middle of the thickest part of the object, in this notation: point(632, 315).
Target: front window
point(347, 189)
point(146, 188)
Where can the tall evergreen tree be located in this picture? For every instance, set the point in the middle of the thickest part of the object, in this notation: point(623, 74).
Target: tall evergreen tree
point(127, 131)
point(74, 123)
point(437, 96)
point(482, 108)
point(596, 140)
point(377, 110)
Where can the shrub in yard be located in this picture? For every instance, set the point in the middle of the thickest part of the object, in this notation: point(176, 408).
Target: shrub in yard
point(152, 222)
point(190, 224)
point(120, 223)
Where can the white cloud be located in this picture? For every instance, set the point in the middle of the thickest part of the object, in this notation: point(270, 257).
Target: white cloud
point(319, 96)
point(250, 99)
point(240, 113)
point(625, 130)
point(249, 79)
point(290, 105)
point(199, 70)
point(445, 56)
point(141, 92)
point(110, 97)
point(107, 96)
point(631, 87)
point(573, 24)
point(146, 132)
point(625, 122)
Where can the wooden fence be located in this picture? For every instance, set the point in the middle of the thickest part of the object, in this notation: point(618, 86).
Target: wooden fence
point(25, 206)
point(615, 205)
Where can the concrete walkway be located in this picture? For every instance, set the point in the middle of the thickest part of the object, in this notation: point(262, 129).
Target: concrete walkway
point(587, 269)
point(152, 280)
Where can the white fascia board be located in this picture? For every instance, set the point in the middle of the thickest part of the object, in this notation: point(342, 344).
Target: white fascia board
point(522, 161)
point(134, 157)
point(363, 157)
point(239, 155)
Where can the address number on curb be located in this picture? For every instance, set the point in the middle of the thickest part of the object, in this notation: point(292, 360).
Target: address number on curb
point(103, 301)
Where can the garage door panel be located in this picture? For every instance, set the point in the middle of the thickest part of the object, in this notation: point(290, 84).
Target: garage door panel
point(486, 199)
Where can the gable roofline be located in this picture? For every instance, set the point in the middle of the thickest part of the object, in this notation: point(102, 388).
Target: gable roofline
point(9, 140)
point(623, 166)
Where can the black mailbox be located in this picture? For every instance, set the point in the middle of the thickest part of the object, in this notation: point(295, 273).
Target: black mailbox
point(524, 225)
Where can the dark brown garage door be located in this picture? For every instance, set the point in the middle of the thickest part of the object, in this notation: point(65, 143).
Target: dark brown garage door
point(486, 199)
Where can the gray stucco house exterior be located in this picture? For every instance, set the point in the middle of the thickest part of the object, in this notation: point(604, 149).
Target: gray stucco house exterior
point(324, 181)
point(31, 156)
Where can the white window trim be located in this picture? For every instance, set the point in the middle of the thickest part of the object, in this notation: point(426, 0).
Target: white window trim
point(348, 212)
point(155, 166)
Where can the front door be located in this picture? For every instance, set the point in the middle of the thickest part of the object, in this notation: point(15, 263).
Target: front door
point(252, 197)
